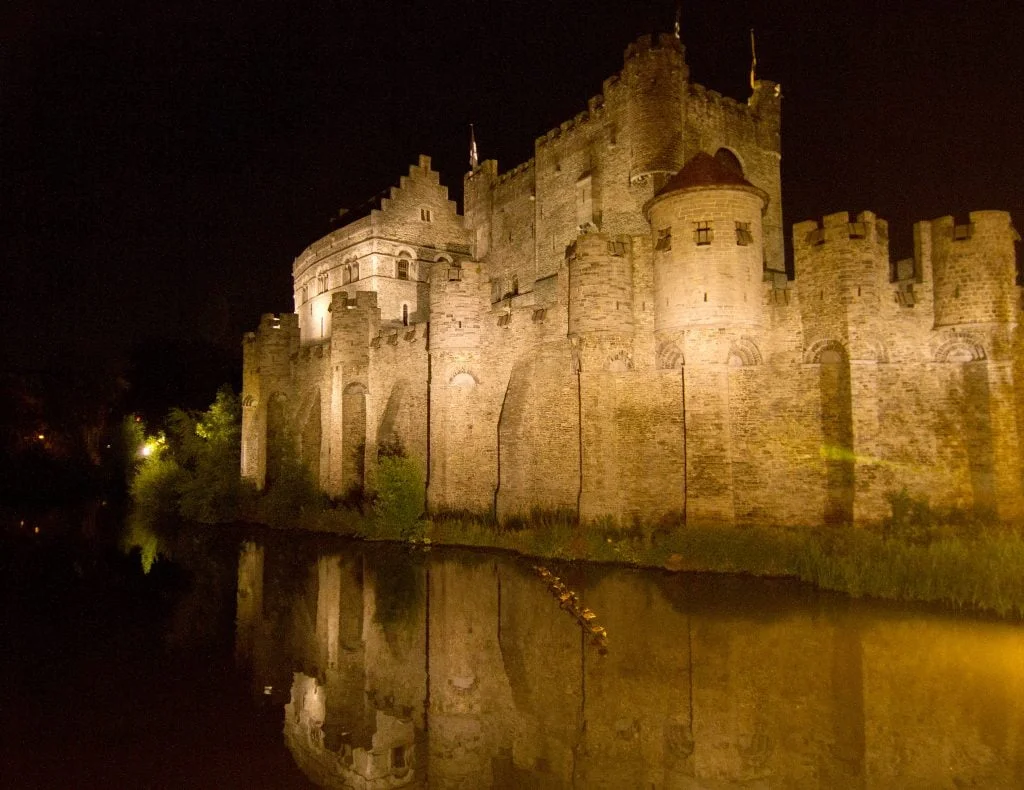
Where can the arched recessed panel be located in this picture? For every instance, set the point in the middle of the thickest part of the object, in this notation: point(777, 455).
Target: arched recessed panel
point(744, 353)
point(726, 157)
point(463, 379)
point(311, 437)
point(277, 408)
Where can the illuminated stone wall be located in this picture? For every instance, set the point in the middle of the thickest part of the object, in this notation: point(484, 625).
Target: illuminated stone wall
point(569, 342)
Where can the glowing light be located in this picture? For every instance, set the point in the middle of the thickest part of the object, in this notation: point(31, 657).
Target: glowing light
point(35, 530)
point(41, 437)
point(152, 446)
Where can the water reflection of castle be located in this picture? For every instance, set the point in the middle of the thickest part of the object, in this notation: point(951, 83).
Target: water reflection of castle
point(462, 667)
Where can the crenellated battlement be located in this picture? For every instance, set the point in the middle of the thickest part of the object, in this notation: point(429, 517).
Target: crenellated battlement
point(713, 98)
point(973, 265)
point(567, 128)
point(647, 44)
point(516, 172)
point(838, 229)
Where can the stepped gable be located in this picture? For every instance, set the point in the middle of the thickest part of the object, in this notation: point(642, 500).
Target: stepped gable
point(703, 170)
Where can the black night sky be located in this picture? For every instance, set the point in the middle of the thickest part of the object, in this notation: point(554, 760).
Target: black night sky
point(162, 164)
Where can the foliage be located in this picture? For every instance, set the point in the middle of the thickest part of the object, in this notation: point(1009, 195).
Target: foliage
point(208, 447)
point(399, 497)
point(191, 472)
point(291, 495)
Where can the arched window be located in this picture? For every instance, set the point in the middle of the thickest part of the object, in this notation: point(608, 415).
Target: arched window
point(405, 315)
point(403, 269)
point(354, 272)
point(346, 275)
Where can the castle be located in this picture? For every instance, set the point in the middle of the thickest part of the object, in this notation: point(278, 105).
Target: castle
point(609, 328)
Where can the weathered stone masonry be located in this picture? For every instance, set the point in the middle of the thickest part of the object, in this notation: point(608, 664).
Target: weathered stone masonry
point(608, 328)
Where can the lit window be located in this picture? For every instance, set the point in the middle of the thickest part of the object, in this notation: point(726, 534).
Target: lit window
point(744, 238)
point(403, 269)
point(703, 233)
point(664, 242)
point(426, 215)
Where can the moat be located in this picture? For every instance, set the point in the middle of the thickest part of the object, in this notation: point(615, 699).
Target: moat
point(258, 658)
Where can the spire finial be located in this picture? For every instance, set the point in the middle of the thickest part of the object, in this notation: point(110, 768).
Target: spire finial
point(753, 61)
point(679, 16)
point(474, 160)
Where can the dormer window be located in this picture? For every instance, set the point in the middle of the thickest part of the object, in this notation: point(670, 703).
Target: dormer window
point(703, 233)
point(426, 215)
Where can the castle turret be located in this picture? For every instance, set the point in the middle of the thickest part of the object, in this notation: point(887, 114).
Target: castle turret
point(708, 264)
point(266, 383)
point(455, 302)
point(842, 275)
point(655, 75)
point(974, 268)
point(600, 285)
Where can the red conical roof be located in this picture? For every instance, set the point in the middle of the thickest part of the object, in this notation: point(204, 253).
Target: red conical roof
point(703, 170)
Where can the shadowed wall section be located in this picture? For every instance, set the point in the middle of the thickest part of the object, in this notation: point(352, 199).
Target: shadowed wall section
point(538, 435)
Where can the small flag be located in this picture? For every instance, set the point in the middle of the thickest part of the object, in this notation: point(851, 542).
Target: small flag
point(473, 159)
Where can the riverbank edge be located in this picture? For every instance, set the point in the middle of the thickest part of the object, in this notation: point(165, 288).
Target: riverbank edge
point(978, 571)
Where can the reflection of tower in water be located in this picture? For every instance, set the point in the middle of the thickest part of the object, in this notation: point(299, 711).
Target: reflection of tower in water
point(467, 669)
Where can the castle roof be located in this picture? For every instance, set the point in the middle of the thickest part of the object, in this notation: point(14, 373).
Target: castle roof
point(703, 170)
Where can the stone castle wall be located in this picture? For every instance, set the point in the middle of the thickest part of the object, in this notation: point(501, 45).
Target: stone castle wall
point(576, 341)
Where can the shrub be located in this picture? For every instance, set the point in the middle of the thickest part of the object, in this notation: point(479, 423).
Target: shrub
point(399, 498)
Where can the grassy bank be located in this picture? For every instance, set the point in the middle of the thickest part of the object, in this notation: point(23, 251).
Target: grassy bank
point(962, 564)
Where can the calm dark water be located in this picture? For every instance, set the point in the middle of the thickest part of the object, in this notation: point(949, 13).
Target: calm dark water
point(276, 659)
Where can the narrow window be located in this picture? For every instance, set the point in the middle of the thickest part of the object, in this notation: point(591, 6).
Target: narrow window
point(664, 242)
point(403, 269)
point(744, 238)
point(355, 272)
point(703, 233)
point(454, 273)
point(346, 275)
point(584, 203)
point(496, 290)
point(426, 215)
point(963, 232)
point(405, 315)
point(321, 282)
